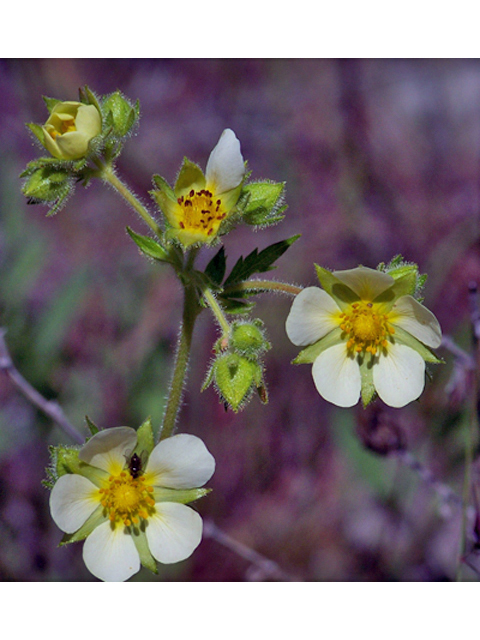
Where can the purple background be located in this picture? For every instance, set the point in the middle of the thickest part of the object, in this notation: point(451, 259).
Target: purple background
point(380, 157)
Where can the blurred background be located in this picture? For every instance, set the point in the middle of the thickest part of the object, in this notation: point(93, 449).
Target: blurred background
point(380, 157)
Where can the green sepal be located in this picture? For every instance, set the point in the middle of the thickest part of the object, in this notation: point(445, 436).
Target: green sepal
point(182, 496)
point(311, 353)
point(236, 307)
point(149, 246)
point(48, 184)
point(145, 437)
point(97, 518)
point(257, 262)
point(339, 291)
point(66, 460)
point(263, 202)
point(404, 285)
point(190, 176)
point(164, 187)
point(50, 103)
point(403, 337)
point(87, 96)
point(368, 391)
point(92, 427)
point(141, 543)
point(37, 131)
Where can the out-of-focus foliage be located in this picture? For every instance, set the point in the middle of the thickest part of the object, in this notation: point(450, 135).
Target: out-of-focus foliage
point(379, 158)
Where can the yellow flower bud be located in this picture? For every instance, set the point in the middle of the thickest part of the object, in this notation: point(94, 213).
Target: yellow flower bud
point(70, 128)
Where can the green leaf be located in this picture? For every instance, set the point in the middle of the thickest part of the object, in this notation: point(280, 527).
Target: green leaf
point(215, 269)
point(258, 262)
point(149, 246)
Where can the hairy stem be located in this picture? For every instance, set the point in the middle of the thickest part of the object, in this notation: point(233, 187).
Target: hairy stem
point(108, 174)
point(191, 309)
point(263, 286)
point(217, 312)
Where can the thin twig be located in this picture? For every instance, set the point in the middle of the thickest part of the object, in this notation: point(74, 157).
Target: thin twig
point(49, 407)
point(265, 568)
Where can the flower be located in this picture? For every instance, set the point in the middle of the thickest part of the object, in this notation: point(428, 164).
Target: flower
point(366, 335)
point(130, 516)
point(198, 205)
point(70, 128)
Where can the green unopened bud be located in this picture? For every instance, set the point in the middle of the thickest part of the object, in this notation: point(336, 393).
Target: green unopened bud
point(236, 377)
point(120, 114)
point(47, 184)
point(247, 338)
point(70, 128)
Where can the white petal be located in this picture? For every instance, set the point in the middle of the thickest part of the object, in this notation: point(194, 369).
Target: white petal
point(312, 316)
point(366, 283)
point(412, 316)
point(72, 501)
point(225, 166)
point(337, 376)
point(180, 462)
point(174, 532)
point(399, 377)
point(108, 449)
point(110, 554)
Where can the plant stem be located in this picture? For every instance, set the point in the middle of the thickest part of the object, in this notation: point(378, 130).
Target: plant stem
point(217, 312)
point(49, 407)
point(191, 309)
point(108, 174)
point(264, 285)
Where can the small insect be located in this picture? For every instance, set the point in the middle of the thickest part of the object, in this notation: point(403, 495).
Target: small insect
point(135, 465)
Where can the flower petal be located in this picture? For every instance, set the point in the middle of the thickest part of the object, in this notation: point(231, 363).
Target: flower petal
point(111, 554)
point(72, 501)
point(417, 320)
point(180, 462)
point(108, 449)
point(88, 120)
point(366, 283)
point(337, 376)
point(225, 167)
point(312, 316)
point(174, 532)
point(399, 377)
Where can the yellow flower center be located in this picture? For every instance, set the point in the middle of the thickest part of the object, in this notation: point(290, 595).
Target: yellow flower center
point(201, 211)
point(366, 328)
point(127, 499)
point(67, 124)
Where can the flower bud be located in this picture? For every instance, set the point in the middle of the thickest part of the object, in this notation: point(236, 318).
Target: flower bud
point(70, 128)
point(120, 113)
point(235, 378)
point(247, 339)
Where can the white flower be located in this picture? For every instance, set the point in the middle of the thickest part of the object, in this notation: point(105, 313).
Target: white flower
point(199, 203)
point(365, 335)
point(128, 515)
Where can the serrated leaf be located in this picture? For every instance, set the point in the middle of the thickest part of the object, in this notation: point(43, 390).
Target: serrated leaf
point(259, 262)
point(215, 269)
point(149, 246)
